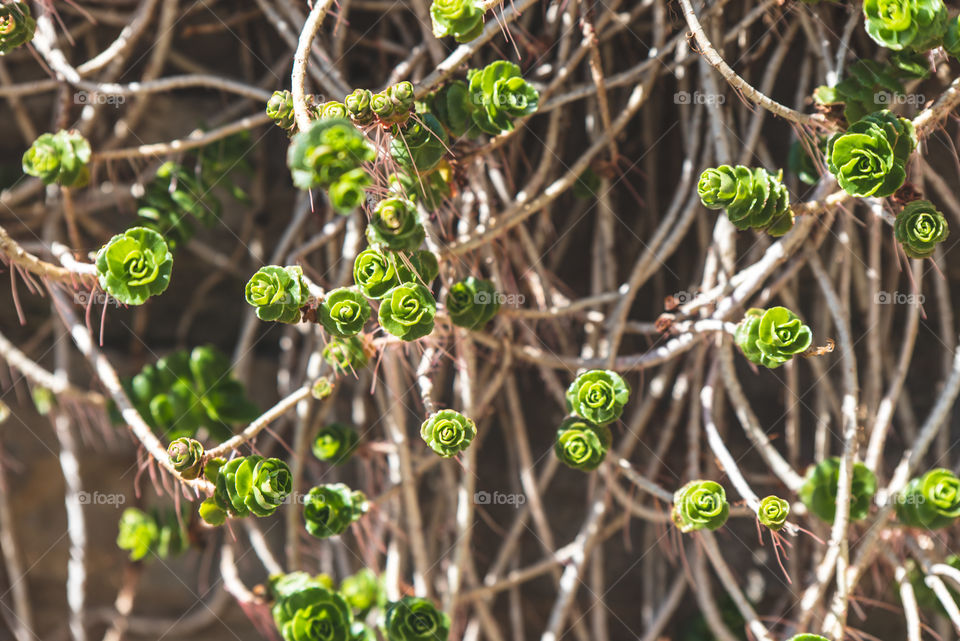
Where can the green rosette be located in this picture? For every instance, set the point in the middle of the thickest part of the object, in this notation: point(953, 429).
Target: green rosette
point(134, 265)
point(402, 95)
point(375, 272)
point(186, 454)
point(138, 533)
point(363, 591)
point(158, 533)
point(246, 485)
point(919, 228)
point(819, 490)
point(358, 107)
point(321, 155)
point(951, 39)
point(598, 396)
point(395, 225)
point(307, 609)
point(280, 109)
point(328, 510)
point(916, 25)
point(393, 105)
point(771, 337)
point(335, 443)
point(345, 354)
point(773, 512)
point(416, 619)
point(448, 432)
point(60, 158)
point(349, 191)
point(698, 505)
point(752, 197)
point(869, 159)
point(343, 312)
point(581, 445)
point(17, 26)
point(189, 390)
point(278, 293)
point(407, 311)
point(472, 303)
point(383, 108)
point(461, 19)
point(931, 501)
point(271, 485)
point(333, 109)
point(500, 94)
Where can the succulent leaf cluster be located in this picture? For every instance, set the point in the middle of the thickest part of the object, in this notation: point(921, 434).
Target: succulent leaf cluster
point(598, 396)
point(308, 609)
point(819, 490)
point(916, 25)
point(343, 312)
point(448, 432)
point(363, 591)
point(581, 445)
point(335, 443)
point(345, 354)
point(700, 504)
point(187, 391)
point(416, 619)
point(60, 158)
point(771, 337)
point(134, 265)
point(499, 94)
point(278, 293)
point(919, 228)
point(869, 159)
point(395, 224)
point(186, 455)
point(328, 510)
point(773, 512)
point(17, 26)
point(461, 19)
point(245, 485)
point(393, 105)
point(472, 303)
point(155, 534)
point(930, 501)
point(330, 155)
point(752, 197)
